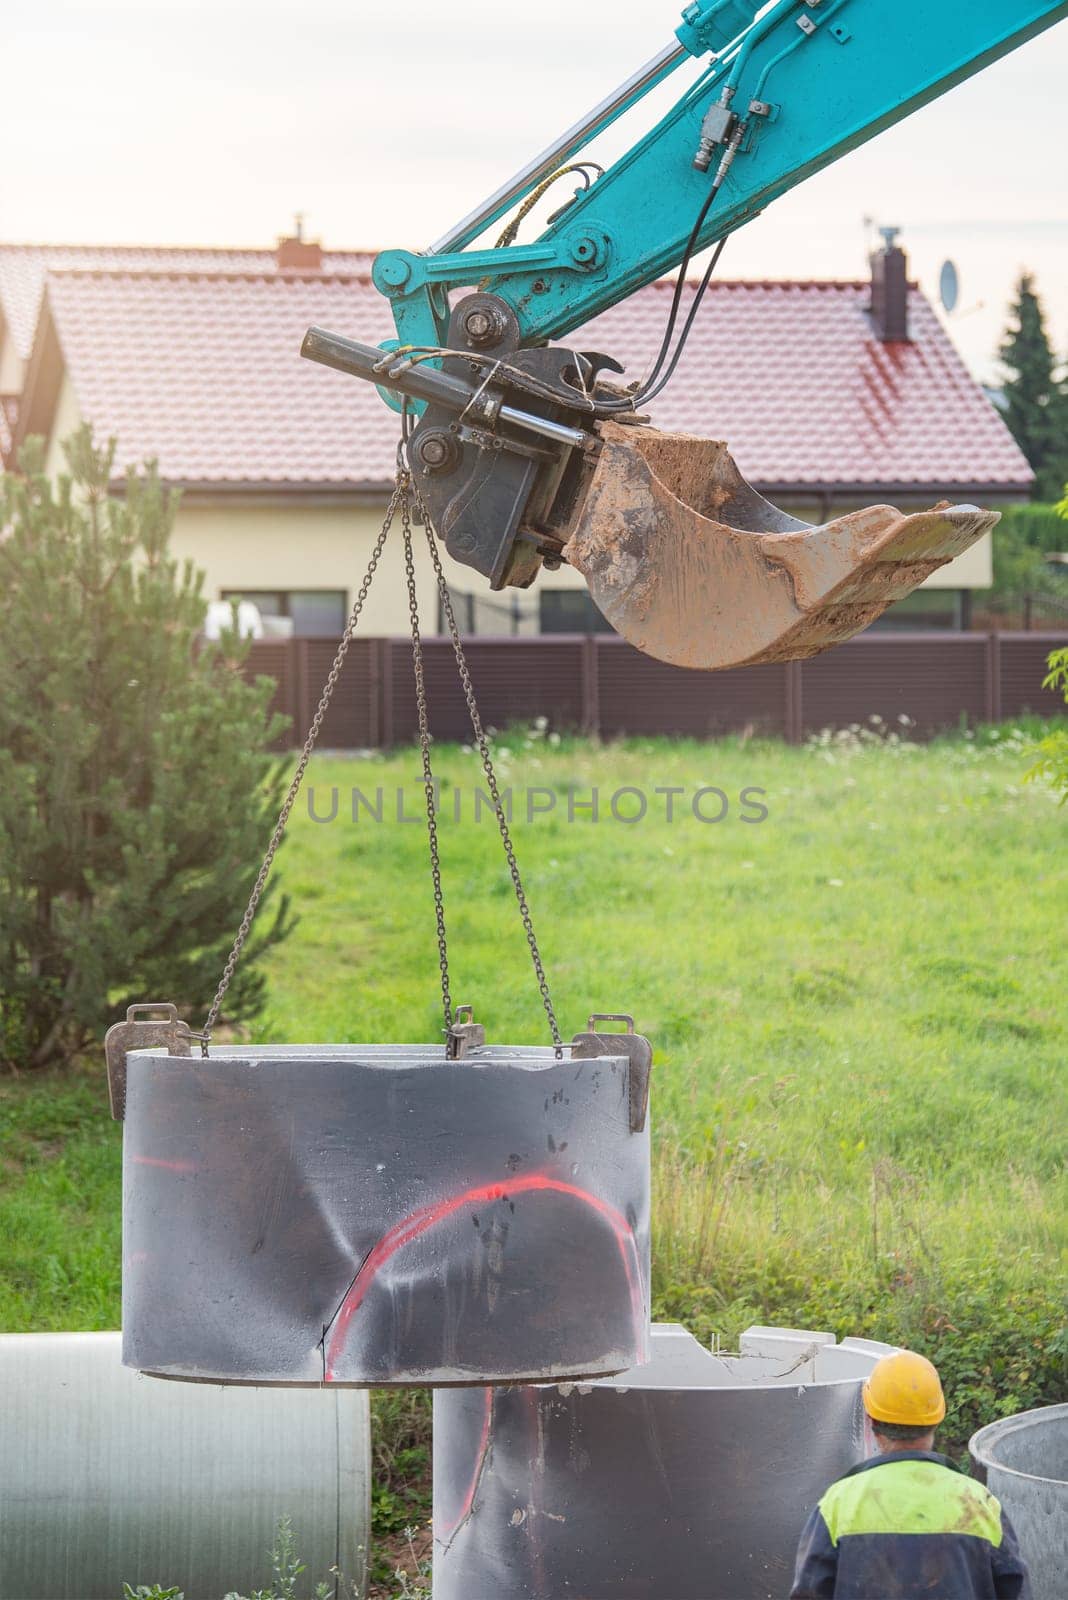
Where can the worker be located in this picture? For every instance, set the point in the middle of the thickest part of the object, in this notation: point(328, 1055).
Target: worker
point(907, 1522)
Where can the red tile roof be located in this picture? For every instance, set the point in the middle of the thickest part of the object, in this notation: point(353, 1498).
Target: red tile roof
point(23, 268)
point(794, 378)
point(201, 370)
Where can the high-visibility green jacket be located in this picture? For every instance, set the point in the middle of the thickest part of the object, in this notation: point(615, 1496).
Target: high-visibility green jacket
point(905, 1525)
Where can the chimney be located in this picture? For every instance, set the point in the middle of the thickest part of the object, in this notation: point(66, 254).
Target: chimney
point(297, 254)
point(890, 289)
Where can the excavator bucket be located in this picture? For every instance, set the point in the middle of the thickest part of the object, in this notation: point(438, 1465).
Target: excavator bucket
point(691, 565)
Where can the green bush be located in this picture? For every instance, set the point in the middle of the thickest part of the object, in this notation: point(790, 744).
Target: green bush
point(1052, 763)
point(1042, 526)
point(136, 794)
point(1021, 540)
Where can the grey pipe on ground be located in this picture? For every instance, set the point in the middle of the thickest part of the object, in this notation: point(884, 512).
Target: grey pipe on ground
point(687, 1479)
point(107, 1477)
point(1024, 1461)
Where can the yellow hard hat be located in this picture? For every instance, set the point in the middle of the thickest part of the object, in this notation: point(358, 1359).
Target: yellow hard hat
point(904, 1388)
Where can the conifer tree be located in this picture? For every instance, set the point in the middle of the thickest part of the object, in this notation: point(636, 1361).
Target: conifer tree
point(1036, 402)
point(136, 791)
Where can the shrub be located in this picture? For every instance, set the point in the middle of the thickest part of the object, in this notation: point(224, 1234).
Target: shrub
point(1042, 527)
point(400, 1493)
point(135, 789)
point(1019, 561)
point(1052, 763)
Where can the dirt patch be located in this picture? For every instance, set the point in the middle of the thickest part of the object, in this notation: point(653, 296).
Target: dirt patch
point(397, 1552)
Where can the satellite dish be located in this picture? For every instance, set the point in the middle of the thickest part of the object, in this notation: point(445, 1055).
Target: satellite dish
point(948, 286)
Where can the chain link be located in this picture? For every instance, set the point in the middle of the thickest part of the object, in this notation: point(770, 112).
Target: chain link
point(398, 497)
point(401, 498)
point(491, 778)
point(424, 743)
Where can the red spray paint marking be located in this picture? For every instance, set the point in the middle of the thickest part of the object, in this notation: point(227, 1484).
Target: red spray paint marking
point(168, 1166)
point(450, 1529)
point(429, 1216)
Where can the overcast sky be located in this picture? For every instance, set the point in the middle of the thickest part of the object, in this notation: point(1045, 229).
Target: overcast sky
point(213, 121)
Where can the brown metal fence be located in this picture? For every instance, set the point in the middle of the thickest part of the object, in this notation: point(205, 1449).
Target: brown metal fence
point(600, 685)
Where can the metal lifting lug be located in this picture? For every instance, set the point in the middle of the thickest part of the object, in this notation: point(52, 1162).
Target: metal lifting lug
point(151, 1023)
point(635, 1046)
point(464, 1035)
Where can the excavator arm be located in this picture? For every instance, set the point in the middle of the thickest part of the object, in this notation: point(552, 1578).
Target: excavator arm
point(530, 453)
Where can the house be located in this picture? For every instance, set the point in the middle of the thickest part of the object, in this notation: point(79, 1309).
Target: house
point(191, 357)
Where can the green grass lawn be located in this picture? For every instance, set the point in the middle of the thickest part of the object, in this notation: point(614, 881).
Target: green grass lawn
point(857, 1005)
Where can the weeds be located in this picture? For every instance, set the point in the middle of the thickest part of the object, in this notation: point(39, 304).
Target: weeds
point(286, 1568)
point(858, 1099)
point(400, 1492)
point(1052, 751)
point(413, 1580)
point(995, 1326)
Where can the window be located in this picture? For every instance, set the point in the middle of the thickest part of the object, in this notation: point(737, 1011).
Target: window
point(570, 611)
point(508, 614)
point(315, 613)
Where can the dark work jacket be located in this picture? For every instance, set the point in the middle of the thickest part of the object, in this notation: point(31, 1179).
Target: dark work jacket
point(905, 1526)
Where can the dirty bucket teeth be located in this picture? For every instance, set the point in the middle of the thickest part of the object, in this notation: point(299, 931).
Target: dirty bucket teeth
point(692, 566)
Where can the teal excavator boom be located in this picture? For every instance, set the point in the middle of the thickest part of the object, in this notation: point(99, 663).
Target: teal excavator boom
point(530, 453)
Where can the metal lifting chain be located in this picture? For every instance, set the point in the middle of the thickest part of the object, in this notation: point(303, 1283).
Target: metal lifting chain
point(401, 497)
point(491, 777)
point(398, 497)
point(424, 743)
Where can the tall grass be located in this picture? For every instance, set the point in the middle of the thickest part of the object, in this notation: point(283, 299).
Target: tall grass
point(857, 1007)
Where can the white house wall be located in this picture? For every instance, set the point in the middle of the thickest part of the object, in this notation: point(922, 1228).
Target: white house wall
point(314, 546)
point(972, 570)
point(12, 367)
point(328, 547)
point(68, 419)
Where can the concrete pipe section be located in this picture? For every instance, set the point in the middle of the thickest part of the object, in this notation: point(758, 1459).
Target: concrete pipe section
point(378, 1214)
point(1024, 1461)
point(687, 1479)
point(109, 1478)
